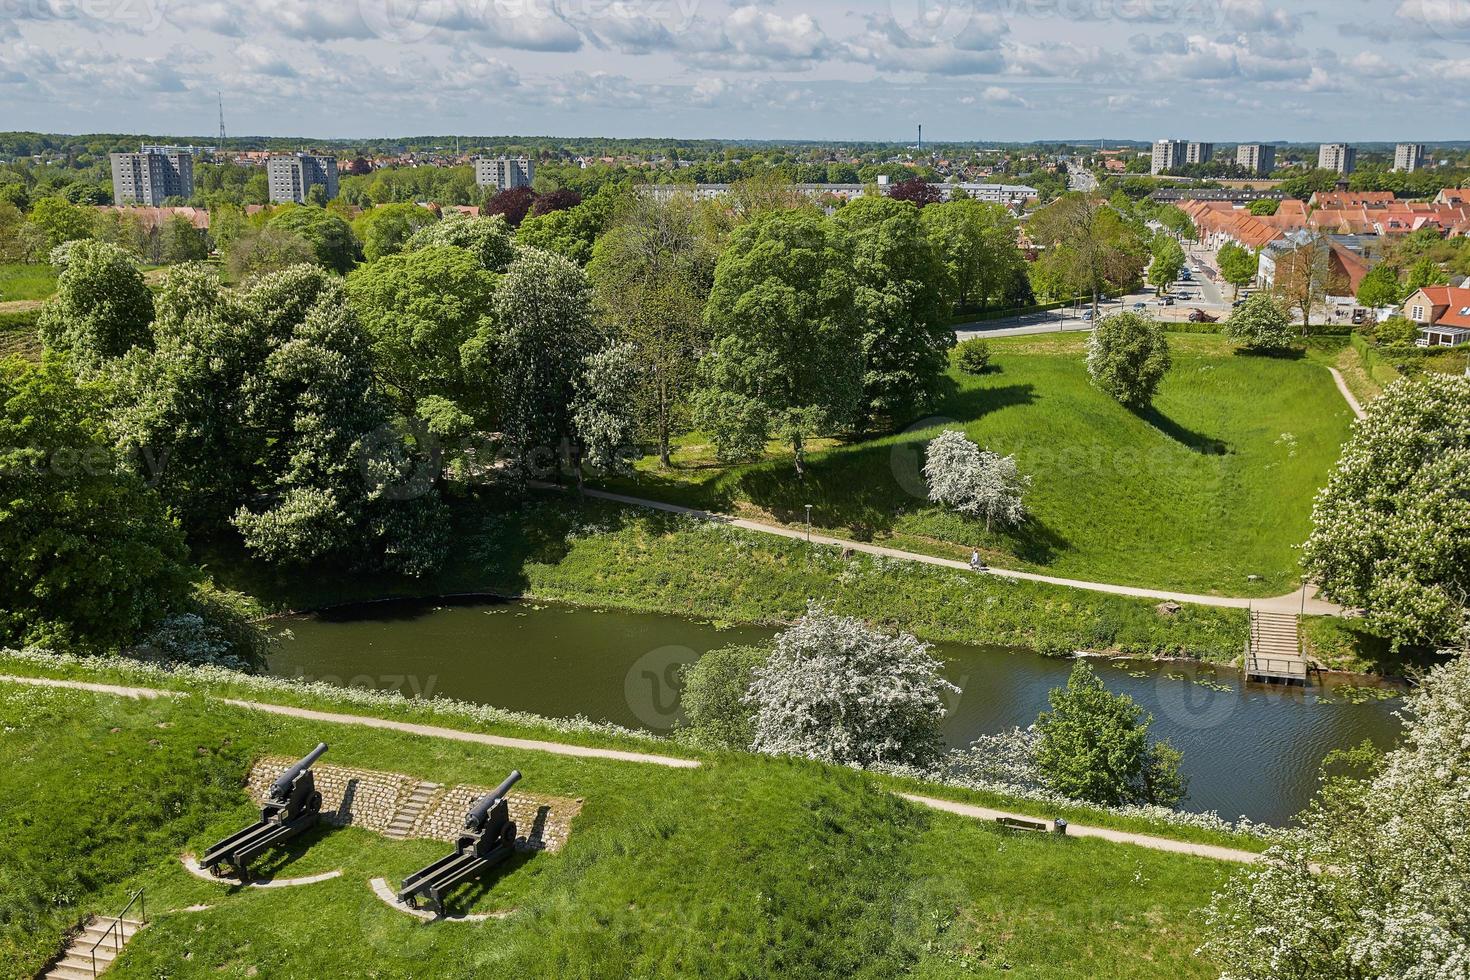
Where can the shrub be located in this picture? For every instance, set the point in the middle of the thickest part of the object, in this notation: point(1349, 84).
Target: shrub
point(973, 356)
point(974, 482)
point(714, 697)
point(1127, 357)
point(1260, 323)
point(1094, 746)
point(1397, 330)
point(838, 691)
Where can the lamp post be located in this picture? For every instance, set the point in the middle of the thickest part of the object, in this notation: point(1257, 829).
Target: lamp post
point(808, 524)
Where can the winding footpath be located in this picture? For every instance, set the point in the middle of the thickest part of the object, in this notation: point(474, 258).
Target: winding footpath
point(1295, 602)
point(1150, 841)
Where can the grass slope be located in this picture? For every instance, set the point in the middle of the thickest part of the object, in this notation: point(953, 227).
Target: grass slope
point(1212, 486)
point(746, 867)
point(20, 280)
point(609, 556)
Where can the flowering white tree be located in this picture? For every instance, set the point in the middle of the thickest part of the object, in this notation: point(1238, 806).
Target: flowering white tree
point(1390, 529)
point(603, 406)
point(1375, 882)
point(975, 482)
point(836, 690)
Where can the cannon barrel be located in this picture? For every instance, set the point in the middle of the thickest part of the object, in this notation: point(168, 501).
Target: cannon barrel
point(283, 782)
point(476, 817)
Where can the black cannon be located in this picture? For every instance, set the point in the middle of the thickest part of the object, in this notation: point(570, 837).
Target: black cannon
point(488, 838)
point(292, 807)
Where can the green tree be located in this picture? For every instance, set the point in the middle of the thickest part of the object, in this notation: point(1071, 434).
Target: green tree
point(543, 318)
point(180, 241)
point(264, 250)
point(786, 351)
point(59, 221)
point(1380, 288)
point(716, 712)
point(977, 243)
point(89, 556)
point(1264, 208)
point(1260, 323)
point(651, 274)
point(572, 231)
point(330, 237)
point(387, 228)
point(1305, 276)
point(1389, 529)
point(102, 307)
point(1425, 272)
point(1091, 248)
point(490, 240)
point(1094, 746)
point(1127, 357)
point(421, 309)
point(1238, 265)
point(903, 298)
point(1168, 263)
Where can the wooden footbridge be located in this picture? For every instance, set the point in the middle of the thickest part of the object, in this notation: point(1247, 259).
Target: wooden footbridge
point(1274, 654)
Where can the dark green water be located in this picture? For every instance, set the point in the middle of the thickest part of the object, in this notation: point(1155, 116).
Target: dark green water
point(1248, 750)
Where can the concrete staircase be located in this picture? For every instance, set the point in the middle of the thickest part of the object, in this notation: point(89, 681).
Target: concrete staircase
point(1275, 654)
point(413, 807)
point(76, 962)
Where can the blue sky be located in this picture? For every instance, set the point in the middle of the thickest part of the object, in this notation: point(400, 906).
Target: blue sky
point(1223, 70)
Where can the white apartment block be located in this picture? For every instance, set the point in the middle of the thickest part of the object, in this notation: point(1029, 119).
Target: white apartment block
point(1409, 157)
point(1199, 153)
point(151, 177)
point(1010, 195)
point(1338, 157)
point(1169, 155)
point(504, 173)
point(1258, 158)
point(291, 177)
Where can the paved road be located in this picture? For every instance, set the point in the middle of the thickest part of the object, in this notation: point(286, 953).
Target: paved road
point(562, 748)
point(1202, 295)
point(1293, 603)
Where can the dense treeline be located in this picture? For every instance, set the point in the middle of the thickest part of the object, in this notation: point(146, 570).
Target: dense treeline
point(360, 376)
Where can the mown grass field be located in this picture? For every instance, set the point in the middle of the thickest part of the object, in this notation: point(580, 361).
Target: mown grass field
point(26, 281)
point(745, 867)
point(1211, 487)
point(608, 556)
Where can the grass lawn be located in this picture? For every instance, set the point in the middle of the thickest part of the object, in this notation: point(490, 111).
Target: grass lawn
point(18, 334)
point(1211, 487)
point(745, 867)
point(20, 280)
point(604, 555)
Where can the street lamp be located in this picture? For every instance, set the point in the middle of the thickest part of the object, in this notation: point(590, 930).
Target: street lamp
point(808, 523)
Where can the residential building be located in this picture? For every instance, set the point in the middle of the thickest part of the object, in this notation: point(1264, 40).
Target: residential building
point(292, 177)
point(150, 178)
point(1337, 157)
point(504, 173)
point(1169, 155)
point(1409, 157)
point(1011, 195)
point(198, 151)
point(1197, 153)
point(1258, 158)
point(1453, 196)
point(1443, 315)
point(1345, 267)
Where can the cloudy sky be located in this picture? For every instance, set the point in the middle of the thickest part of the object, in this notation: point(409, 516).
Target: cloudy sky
point(832, 69)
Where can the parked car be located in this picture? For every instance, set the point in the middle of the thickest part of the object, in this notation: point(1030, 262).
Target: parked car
point(1087, 315)
point(1140, 306)
point(1166, 301)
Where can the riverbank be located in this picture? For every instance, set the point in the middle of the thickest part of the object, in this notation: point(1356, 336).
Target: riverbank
point(851, 876)
point(604, 555)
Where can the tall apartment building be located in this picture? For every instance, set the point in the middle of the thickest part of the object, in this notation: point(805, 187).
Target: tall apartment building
point(1199, 153)
point(292, 177)
point(1169, 155)
point(1409, 157)
point(503, 173)
point(1337, 156)
point(1258, 158)
point(149, 177)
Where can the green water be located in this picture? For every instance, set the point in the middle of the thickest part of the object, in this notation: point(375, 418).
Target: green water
point(1248, 750)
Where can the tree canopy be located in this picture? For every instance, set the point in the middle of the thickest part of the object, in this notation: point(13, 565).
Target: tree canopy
point(1127, 357)
point(1390, 528)
point(102, 307)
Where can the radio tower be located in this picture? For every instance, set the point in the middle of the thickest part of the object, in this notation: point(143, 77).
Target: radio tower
point(221, 120)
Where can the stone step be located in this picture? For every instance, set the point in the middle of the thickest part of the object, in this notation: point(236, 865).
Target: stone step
point(107, 935)
point(402, 823)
